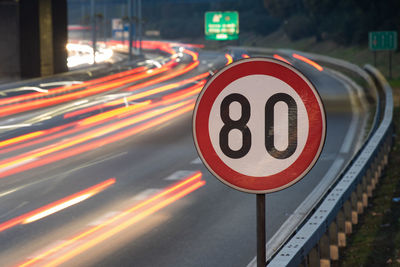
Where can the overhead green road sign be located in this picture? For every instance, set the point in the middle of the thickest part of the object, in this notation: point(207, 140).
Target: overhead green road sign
point(221, 25)
point(383, 40)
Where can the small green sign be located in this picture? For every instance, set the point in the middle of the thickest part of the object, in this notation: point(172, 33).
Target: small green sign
point(383, 40)
point(221, 25)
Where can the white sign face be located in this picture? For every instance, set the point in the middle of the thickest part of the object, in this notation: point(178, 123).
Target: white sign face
point(259, 125)
point(258, 89)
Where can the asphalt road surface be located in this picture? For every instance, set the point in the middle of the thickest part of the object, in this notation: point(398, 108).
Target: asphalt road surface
point(128, 189)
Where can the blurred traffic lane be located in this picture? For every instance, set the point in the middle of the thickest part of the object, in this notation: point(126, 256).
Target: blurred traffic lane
point(213, 226)
point(122, 220)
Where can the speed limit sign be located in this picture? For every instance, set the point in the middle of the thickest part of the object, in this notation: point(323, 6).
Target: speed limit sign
point(259, 125)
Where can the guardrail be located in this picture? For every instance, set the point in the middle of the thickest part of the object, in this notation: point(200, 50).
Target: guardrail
point(309, 205)
point(317, 240)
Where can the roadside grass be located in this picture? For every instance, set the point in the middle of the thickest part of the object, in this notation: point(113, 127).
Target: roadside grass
point(376, 239)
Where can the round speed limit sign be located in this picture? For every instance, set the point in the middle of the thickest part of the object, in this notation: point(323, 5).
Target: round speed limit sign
point(259, 125)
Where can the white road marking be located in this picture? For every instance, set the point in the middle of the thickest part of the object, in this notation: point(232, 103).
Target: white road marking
point(8, 192)
point(196, 161)
point(146, 194)
point(348, 140)
point(178, 175)
point(104, 218)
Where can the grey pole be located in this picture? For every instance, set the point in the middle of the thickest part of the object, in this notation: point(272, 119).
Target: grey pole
point(123, 24)
point(93, 17)
point(105, 21)
point(130, 6)
point(140, 25)
point(135, 22)
point(390, 64)
point(83, 11)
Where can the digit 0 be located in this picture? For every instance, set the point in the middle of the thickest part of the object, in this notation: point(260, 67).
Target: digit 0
point(269, 126)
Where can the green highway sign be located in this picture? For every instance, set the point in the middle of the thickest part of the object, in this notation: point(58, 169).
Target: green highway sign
point(383, 40)
point(221, 25)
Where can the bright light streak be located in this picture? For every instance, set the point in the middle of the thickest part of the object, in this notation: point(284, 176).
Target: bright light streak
point(15, 126)
point(17, 164)
point(113, 113)
point(125, 219)
point(20, 138)
point(23, 88)
point(140, 95)
point(61, 83)
point(194, 55)
point(165, 77)
point(57, 206)
point(278, 57)
point(154, 62)
point(245, 56)
point(309, 61)
point(80, 54)
point(56, 98)
point(64, 89)
point(229, 58)
point(75, 95)
point(176, 96)
point(46, 136)
point(166, 87)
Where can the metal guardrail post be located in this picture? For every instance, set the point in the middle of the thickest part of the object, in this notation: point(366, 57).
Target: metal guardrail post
point(354, 208)
point(360, 205)
point(334, 241)
point(369, 183)
point(341, 227)
point(313, 257)
point(324, 251)
point(364, 191)
point(348, 216)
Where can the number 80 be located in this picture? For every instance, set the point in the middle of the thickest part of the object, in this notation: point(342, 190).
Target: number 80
point(241, 124)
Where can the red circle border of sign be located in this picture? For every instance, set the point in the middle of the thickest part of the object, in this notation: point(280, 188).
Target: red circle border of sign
point(316, 116)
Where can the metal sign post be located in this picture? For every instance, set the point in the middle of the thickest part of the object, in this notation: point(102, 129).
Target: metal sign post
point(259, 126)
point(261, 236)
point(383, 41)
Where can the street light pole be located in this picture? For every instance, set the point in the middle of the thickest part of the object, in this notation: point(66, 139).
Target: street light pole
point(140, 25)
point(93, 17)
point(130, 17)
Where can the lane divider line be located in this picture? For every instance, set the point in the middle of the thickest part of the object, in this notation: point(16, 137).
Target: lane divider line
point(146, 194)
point(179, 175)
point(196, 161)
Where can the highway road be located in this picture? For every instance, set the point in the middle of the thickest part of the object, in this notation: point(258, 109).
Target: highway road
point(105, 173)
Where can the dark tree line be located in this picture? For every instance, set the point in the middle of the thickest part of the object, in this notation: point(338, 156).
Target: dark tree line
point(185, 19)
point(344, 21)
